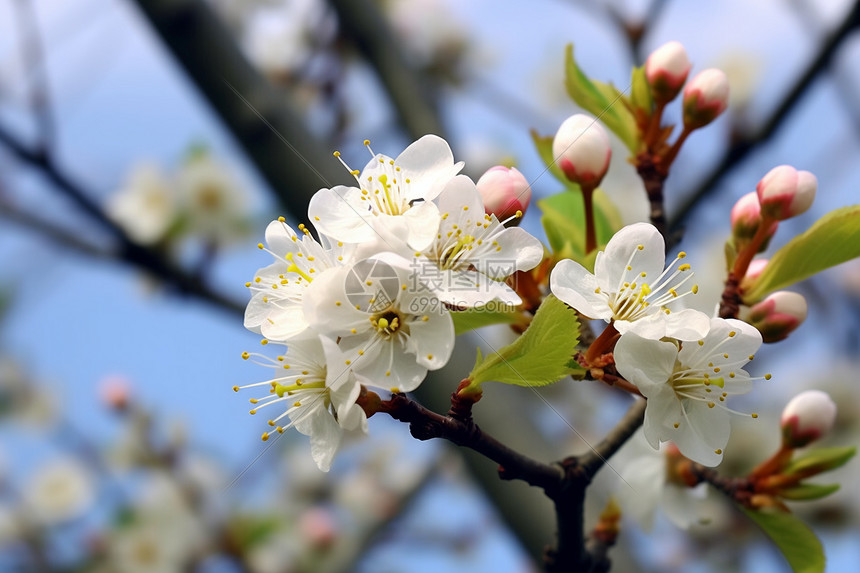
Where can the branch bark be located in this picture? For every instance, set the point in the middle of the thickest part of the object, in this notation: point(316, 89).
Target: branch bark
point(260, 116)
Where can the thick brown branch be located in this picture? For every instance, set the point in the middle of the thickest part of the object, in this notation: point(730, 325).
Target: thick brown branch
point(273, 134)
point(425, 424)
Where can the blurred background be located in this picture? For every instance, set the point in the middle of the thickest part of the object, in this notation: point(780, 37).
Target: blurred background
point(145, 145)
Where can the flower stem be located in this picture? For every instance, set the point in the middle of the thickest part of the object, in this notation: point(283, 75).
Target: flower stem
point(653, 178)
point(602, 344)
point(590, 231)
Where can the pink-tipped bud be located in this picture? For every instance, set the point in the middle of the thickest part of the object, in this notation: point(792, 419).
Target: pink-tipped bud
point(807, 417)
point(115, 393)
point(746, 219)
point(754, 271)
point(666, 70)
point(778, 315)
point(705, 97)
point(785, 192)
point(581, 149)
point(505, 191)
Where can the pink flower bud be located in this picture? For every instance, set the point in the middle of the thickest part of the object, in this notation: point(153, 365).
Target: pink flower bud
point(115, 393)
point(778, 315)
point(746, 219)
point(705, 97)
point(666, 70)
point(504, 191)
point(754, 271)
point(785, 192)
point(807, 417)
point(581, 149)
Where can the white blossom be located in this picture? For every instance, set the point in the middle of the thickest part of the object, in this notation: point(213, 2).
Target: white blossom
point(630, 287)
point(146, 206)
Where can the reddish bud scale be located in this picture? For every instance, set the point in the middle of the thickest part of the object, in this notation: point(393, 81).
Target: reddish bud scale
point(778, 315)
point(786, 192)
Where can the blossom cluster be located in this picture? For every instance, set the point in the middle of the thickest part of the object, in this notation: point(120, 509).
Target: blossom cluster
point(369, 302)
point(683, 361)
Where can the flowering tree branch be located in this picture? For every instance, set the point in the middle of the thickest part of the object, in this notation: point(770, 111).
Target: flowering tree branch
point(126, 250)
point(743, 145)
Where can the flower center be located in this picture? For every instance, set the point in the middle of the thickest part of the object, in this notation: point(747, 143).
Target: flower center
point(387, 323)
point(452, 255)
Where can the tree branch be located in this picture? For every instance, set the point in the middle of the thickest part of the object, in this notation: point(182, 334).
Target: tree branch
point(260, 116)
point(409, 91)
point(594, 459)
point(743, 146)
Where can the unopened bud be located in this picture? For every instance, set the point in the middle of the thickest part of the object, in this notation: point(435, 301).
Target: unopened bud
point(581, 149)
point(754, 271)
point(807, 417)
point(746, 219)
point(666, 70)
point(785, 192)
point(705, 97)
point(504, 191)
point(115, 393)
point(778, 315)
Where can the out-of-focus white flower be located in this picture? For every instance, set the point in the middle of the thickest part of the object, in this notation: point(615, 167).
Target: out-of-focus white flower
point(649, 485)
point(630, 287)
point(23, 399)
point(582, 150)
point(390, 329)
point(466, 264)
point(786, 192)
point(687, 385)
point(213, 202)
point(281, 39)
point(431, 34)
point(61, 490)
point(146, 206)
point(277, 554)
point(315, 390)
point(275, 309)
point(394, 200)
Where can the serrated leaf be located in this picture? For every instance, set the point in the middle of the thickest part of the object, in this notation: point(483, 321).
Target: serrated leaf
point(540, 356)
point(833, 239)
point(489, 314)
point(604, 101)
point(563, 220)
point(798, 544)
point(820, 460)
point(808, 491)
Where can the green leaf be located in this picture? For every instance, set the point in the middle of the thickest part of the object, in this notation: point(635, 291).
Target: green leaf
point(540, 356)
point(820, 460)
point(604, 101)
point(543, 144)
point(798, 544)
point(491, 313)
point(640, 92)
point(563, 221)
point(808, 491)
point(833, 239)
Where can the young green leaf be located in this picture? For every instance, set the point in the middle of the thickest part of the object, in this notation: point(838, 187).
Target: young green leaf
point(833, 239)
point(604, 101)
point(640, 92)
point(563, 220)
point(540, 356)
point(543, 144)
point(820, 460)
point(492, 313)
point(798, 544)
point(808, 491)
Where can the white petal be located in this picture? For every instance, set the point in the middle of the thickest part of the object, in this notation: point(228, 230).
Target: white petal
point(279, 238)
point(661, 412)
point(321, 308)
point(687, 324)
point(433, 339)
point(284, 323)
point(573, 284)
point(646, 363)
point(612, 266)
point(429, 164)
point(340, 213)
point(325, 435)
point(520, 247)
point(461, 200)
point(703, 431)
point(422, 224)
point(393, 367)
